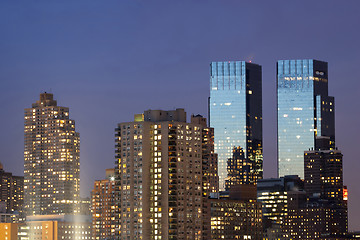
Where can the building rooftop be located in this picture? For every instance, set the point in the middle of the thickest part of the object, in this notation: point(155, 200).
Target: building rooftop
point(60, 218)
point(46, 100)
point(178, 115)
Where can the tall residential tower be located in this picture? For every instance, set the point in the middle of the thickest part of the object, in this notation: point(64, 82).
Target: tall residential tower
point(103, 207)
point(304, 112)
point(51, 159)
point(161, 181)
point(235, 106)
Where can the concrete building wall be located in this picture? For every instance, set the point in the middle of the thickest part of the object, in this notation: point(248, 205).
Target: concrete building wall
point(8, 231)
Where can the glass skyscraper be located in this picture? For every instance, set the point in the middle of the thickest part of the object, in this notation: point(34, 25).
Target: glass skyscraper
point(304, 112)
point(235, 110)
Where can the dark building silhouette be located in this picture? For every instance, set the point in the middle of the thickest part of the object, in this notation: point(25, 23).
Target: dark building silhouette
point(241, 170)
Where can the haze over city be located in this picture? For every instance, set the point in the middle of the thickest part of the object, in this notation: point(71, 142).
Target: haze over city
point(109, 61)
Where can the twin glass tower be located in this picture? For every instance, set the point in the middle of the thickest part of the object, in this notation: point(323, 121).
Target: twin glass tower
point(304, 112)
point(235, 106)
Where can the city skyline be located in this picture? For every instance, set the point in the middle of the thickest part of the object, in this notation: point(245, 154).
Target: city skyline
point(89, 70)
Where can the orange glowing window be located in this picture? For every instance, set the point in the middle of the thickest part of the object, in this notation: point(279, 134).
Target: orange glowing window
point(345, 194)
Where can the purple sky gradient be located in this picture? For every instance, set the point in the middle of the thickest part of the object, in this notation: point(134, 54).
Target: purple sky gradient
point(107, 60)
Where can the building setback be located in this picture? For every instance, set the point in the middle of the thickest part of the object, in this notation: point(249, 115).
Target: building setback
point(235, 110)
point(159, 177)
point(210, 165)
point(304, 111)
point(51, 159)
point(210, 178)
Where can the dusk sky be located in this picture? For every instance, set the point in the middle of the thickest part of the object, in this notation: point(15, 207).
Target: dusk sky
point(107, 60)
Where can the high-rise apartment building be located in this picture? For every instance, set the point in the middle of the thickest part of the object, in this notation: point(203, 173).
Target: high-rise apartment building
point(235, 106)
point(324, 174)
point(159, 176)
point(304, 111)
point(103, 207)
point(324, 180)
point(51, 159)
point(210, 178)
point(11, 191)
